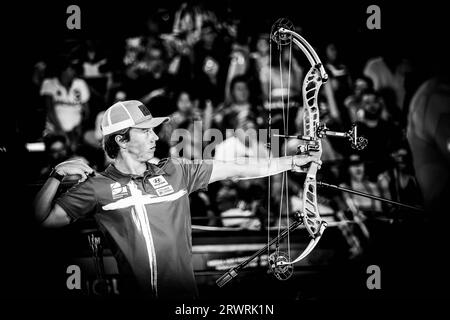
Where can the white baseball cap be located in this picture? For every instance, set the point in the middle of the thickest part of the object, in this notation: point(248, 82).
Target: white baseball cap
point(129, 114)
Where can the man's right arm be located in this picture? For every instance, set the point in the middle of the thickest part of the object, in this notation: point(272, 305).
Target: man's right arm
point(46, 214)
point(52, 215)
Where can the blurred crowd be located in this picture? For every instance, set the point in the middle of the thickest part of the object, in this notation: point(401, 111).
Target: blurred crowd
point(214, 70)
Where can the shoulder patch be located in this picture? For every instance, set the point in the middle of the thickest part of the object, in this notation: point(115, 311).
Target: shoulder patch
point(118, 191)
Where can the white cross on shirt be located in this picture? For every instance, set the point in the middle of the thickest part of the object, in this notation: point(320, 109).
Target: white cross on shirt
point(137, 201)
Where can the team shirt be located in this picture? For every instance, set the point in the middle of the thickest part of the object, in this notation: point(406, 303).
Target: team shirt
point(147, 221)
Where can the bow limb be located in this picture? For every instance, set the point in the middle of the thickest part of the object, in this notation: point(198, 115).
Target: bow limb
point(311, 245)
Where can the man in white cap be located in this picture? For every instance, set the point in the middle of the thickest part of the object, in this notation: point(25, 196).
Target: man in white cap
point(142, 208)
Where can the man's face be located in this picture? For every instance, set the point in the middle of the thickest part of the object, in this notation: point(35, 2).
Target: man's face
point(360, 86)
point(240, 92)
point(262, 46)
point(184, 102)
point(208, 36)
point(357, 171)
point(155, 60)
point(372, 106)
point(331, 52)
point(142, 144)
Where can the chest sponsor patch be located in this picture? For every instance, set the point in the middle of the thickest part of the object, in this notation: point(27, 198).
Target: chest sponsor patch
point(118, 191)
point(158, 182)
point(164, 190)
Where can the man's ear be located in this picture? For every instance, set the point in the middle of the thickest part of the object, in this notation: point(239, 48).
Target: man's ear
point(120, 141)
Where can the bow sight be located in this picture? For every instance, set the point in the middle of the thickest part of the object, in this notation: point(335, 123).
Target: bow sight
point(357, 142)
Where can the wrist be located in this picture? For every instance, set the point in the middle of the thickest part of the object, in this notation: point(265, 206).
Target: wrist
point(56, 175)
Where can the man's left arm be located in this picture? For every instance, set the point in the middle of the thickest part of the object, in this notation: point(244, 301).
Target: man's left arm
point(248, 168)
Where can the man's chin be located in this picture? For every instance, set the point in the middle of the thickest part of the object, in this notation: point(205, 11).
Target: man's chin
point(147, 157)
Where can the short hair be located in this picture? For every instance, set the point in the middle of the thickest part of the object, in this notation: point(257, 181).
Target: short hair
point(110, 145)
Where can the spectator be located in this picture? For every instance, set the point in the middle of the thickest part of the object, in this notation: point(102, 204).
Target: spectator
point(241, 64)
point(57, 150)
point(388, 77)
point(384, 137)
point(283, 81)
point(353, 102)
point(286, 82)
point(187, 112)
point(96, 72)
point(261, 57)
point(358, 180)
point(66, 100)
point(147, 78)
point(402, 180)
point(339, 79)
point(210, 56)
point(238, 107)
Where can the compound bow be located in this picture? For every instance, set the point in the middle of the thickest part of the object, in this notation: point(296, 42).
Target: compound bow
point(280, 263)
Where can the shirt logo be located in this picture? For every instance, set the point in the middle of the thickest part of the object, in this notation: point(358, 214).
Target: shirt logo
point(164, 190)
point(158, 182)
point(118, 191)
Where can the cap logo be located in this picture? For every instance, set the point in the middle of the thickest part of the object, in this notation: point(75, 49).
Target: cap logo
point(144, 110)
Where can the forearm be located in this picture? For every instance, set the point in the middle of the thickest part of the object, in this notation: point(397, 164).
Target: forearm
point(44, 199)
point(249, 168)
point(254, 168)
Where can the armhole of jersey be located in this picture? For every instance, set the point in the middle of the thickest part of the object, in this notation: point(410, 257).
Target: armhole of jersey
point(185, 186)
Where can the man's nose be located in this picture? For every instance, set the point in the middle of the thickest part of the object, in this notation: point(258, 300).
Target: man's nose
point(154, 136)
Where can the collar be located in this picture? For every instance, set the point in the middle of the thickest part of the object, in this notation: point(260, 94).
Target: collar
point(162, 168)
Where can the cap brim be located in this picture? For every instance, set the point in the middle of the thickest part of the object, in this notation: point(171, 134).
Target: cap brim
point(152, 123)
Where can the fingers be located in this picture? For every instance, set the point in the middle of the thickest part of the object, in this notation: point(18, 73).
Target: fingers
point(87, 168)
point(301, 161)
point(83, 177)
point(83, 164)
point(77, 163)
point(81, 172)
point(75, 167)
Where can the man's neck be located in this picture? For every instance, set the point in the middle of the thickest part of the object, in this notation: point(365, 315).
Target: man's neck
point(66, 84)
point(130, 166)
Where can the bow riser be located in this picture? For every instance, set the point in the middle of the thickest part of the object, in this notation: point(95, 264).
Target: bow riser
point(311, 87)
